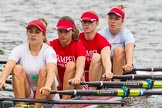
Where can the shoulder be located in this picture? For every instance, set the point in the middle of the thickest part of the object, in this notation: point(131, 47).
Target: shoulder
point(81, 34)
point(79, 43)
point(75, 43)
point(127, 32)
point(101, 40)
point(128, 36)
point(21, 47)
point(47, 48)
point(100, 36)
point(54, 41)
point(103, 31)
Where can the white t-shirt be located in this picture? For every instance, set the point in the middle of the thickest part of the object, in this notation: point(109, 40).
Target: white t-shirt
point(32, 64)
point(120, 39)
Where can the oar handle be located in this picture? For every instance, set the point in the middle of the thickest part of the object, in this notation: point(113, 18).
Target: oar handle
point(9, 81)
point(8, 89)
point(3, 62)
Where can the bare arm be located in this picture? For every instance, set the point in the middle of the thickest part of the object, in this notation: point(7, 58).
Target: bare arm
point(51, 74)
point(129, 51)
point(6, 72)
point(80, 64)
point(105, 54)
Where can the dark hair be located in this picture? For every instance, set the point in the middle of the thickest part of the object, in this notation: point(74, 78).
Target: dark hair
point(44, 22)
point(75, 30)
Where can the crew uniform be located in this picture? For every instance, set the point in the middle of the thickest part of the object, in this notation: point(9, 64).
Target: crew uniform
point(92, 46)
point(66, 54)
point(31, 64)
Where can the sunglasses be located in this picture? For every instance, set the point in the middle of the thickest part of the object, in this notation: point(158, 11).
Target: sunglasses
point(87, 21)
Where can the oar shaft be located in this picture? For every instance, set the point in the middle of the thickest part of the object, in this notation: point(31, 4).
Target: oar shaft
point(3, 62)
point(144, 84)
point(148, 84)
point(9, 81)
point(61, 101)
point(113, 84)
point(8, 89)
point(152, 93)
point(148, 69)
point(120, 92)
point(86, 92)
point(138, 77)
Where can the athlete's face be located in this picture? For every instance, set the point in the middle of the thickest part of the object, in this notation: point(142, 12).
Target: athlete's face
point(35, 35)
point(65, 36)
point(89, 26)
point(115, 23)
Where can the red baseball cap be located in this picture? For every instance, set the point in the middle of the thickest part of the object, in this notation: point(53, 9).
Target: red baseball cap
point(117, 12)
point(89, 16)
point(38, 24)
point(65, 24)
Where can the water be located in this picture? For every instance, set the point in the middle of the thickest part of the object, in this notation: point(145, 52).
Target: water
point(143, 19)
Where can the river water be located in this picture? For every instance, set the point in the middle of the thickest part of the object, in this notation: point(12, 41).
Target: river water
point(143, 19)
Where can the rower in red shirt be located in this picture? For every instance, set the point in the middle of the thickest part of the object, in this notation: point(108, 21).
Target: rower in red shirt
point(98, 63)
point(70, 55)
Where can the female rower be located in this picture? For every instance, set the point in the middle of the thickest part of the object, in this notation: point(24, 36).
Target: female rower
point(70, 55)
point(33, 65)
point(121, 40)
point(98, 61)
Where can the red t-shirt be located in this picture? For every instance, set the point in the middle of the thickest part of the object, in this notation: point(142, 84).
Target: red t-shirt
point(93, 46)
point(66, 54)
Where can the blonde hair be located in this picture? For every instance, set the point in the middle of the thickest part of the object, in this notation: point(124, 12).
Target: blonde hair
point(44, 22)
point(121, 7)
point(92, 11)
point(75, 35)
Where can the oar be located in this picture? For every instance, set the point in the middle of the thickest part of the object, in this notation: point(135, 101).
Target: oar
point(148, 69)
point(120, 92)
point(61, 101)
point(148, 84)
point(9, 81)
point(8, 89)
point(3, 62)
point(138, 77)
